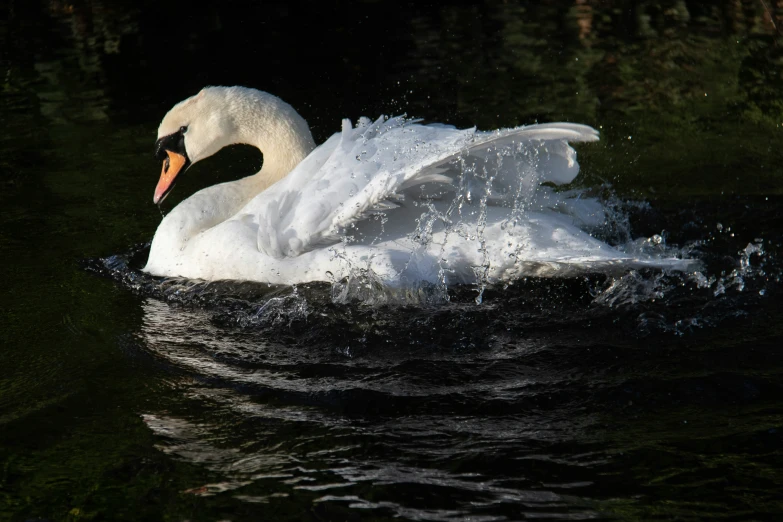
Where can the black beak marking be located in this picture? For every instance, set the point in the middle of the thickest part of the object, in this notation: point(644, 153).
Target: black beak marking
point(173, 142)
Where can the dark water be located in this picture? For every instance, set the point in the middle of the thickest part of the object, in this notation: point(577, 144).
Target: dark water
point(651, 396)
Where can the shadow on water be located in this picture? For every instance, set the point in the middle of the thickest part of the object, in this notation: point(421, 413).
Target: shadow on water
point(644, 396)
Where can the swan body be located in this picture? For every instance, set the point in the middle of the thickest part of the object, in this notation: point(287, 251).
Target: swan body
point(403, 201)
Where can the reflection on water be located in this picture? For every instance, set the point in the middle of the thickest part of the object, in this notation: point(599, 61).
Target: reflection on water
point(273, 419)
point(504, 64)
point(71, 76)
point(550, 413)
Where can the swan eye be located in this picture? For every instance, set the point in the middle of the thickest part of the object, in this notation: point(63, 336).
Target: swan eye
point(174, 142)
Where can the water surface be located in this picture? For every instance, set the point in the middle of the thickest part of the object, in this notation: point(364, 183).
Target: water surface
point(647, 396)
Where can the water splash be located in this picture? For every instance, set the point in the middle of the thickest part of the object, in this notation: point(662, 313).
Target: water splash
point(704, 298)
point(649, 301)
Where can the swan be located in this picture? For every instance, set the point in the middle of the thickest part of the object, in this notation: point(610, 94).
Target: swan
point(400, 200)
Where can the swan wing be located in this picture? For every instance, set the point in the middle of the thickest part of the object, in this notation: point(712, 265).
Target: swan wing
point(366, 169)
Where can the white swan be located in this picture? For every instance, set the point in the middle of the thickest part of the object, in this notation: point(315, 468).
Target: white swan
point(406, 201)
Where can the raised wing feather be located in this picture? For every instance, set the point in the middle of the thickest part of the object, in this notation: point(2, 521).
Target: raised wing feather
point(361, 170)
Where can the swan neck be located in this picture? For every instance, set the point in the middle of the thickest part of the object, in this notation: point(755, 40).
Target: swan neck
point(278, 131)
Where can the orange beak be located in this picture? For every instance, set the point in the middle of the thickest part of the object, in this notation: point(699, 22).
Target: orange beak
point(172, 166)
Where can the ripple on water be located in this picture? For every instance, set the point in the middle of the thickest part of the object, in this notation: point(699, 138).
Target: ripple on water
point(572, 398)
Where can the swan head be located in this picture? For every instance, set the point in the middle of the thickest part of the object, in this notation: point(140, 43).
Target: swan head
point(216, 117)
point(192, 130)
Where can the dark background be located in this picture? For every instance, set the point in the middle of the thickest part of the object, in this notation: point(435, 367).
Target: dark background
point(655, 398)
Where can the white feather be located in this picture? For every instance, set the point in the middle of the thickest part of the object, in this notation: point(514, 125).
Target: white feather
point(409, 201)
